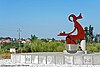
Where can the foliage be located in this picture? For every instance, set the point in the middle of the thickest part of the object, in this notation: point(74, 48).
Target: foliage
point(5, 55)
point(33, 38)
point(6, 47)
point(89, 33)
point(94, 47)
point(42, 46)
point(86, 34)
point(26, 48)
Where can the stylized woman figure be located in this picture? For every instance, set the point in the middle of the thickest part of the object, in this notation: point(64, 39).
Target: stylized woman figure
point(71, 39)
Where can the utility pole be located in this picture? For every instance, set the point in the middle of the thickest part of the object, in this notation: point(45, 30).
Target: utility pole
point(19, 34)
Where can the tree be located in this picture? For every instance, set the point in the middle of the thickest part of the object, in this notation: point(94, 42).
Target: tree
point(53, 39)
point(44, 40)
point(89, 33)
point(33, 37)
point(86, 34)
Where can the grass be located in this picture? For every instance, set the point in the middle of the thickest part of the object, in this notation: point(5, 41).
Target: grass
point(5, 55)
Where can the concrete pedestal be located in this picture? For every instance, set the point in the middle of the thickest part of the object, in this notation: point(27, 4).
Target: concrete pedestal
point(78, 52)
point(71, 48)
point(61, 58)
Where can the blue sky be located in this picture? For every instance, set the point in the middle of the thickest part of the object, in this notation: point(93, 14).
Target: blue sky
point(45, 18)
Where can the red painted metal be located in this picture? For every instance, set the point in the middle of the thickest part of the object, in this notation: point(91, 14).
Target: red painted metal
point(71, 39)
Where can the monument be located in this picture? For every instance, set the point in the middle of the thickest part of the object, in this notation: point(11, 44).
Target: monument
point(71, 39)
point(71, 57)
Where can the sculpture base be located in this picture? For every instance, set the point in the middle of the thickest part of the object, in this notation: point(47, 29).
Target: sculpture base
point(74, 52)
point(71, 48)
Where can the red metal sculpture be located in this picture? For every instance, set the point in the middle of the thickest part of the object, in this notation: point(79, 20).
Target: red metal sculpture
point(71, 39)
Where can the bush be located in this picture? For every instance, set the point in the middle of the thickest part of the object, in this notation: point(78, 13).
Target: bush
point(94, 47)
point(5, 55)
point(41, 46)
